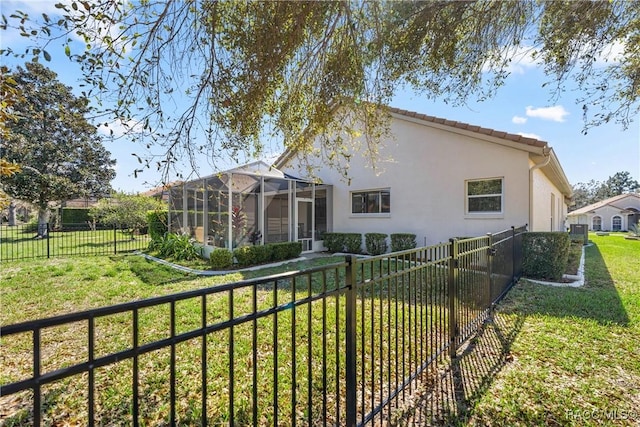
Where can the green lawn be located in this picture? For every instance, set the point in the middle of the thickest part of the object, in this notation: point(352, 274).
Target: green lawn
point(552, 356)
point(18, 243)
point(562, 356)
point(42, 288)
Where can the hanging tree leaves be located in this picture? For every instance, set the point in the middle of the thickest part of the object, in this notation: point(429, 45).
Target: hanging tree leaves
point(292, 71)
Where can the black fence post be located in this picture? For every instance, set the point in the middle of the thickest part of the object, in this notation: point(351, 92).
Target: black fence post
point(490, 255)
point(48, 242)
point(513, 254)
point(452, 289)
point(115, 241)
point(350, 331)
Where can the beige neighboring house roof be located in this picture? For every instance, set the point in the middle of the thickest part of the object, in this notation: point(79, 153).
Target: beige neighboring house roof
point(162, 191)
point(552, 169)
point(86, 202)
point(611, 201)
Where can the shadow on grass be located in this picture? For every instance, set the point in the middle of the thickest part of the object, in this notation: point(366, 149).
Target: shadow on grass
point(464, 380)
point(154, 274)
point(598, 300)
point(449, 400)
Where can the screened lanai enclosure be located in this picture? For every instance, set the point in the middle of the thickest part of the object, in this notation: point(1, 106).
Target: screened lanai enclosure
point(251, 204)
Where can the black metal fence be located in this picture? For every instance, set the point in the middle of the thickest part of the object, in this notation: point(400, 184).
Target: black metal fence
point(84, 239)
point(336, 345)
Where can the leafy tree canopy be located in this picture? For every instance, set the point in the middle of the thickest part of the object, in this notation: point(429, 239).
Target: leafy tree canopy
point(296, 70)
point(60, 154)
point(125, 210)
point(594, 191)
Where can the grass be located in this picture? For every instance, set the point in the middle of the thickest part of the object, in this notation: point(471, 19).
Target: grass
point(573, 357)
point(42, 288)
point(551, 356)
point(19, 243)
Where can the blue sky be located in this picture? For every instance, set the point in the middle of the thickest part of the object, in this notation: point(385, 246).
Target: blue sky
point(520, 106)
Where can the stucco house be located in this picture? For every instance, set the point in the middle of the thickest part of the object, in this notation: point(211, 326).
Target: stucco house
point(435, 178)
point(613, 214)
point(440, 179)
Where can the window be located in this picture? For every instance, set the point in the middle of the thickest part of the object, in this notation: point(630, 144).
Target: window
point(484, 196)
point(597, 223)
point(616, 223)
point(371, 202)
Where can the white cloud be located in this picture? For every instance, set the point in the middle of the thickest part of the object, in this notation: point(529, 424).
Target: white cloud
point(519, 120)
point(530, 135)
point(556, 113)
point(612, 54)
point(119, 127)
point(519, 60)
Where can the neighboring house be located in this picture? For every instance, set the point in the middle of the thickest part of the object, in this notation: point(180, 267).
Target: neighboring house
point(161, 192)
point(440, 179)
point(613, 214)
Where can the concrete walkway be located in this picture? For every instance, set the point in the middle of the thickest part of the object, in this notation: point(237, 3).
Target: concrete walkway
point(223, 272)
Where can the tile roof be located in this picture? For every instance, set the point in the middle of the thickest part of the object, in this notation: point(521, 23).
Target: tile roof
point(471, 128)
point(606, 202)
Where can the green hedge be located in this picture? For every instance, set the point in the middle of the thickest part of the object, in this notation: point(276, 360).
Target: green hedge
point(544, 255)
point(271, 252)
point(75, 215)
point(221, 258)
point(376, 243)
point(343, 242)
point(402, 241)
point(157, 224)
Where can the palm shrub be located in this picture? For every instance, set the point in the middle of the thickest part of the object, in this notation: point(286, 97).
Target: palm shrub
point(177, 246)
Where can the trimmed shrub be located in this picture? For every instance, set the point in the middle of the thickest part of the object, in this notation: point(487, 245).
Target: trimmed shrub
point(244, 255)
point(157, 224)
point(343, 242)
point(259, 254)
point(75, 215)
point(376, 243)
point(544, 255)
point(402, 241)
point(221, 258)
point(285, 250)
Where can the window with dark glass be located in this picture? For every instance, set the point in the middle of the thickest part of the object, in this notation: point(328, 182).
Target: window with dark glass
point(371, 202)
point(616, 223)
point(484, 196)
point(597, 223)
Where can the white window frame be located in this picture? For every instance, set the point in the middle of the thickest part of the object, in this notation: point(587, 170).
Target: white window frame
point(485, 214)
point(613, 218)
point(593, 223)
point(379, 214)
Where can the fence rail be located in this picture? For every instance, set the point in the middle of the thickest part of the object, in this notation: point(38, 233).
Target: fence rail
point(83, 239)
point(335, 345)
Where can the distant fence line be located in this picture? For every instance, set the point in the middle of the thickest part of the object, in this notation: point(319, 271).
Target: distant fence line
point(84, 239)
point(341, 344)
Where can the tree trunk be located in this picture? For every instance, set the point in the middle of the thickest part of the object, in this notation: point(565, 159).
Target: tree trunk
point(43, 218)
point(12, 213)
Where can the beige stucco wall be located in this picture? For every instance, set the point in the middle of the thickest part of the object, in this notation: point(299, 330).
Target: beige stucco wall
point(543, 218)
point(426, 172)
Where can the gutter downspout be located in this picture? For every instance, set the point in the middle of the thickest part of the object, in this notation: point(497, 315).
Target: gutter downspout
point(546, 152)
